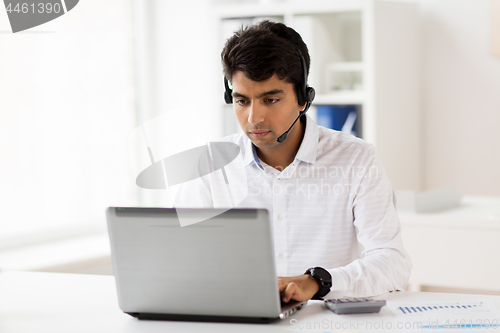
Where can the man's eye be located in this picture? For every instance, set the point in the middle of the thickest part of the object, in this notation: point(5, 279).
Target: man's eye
point(272, 100)
point(241, 102)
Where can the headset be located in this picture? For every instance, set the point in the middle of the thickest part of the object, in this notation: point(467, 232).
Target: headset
point(305, 95)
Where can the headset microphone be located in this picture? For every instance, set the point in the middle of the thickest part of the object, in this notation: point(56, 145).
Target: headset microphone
point(305, 95)
point(282, 137)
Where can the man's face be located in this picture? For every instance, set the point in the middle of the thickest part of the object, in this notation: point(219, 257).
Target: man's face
point(265, 110)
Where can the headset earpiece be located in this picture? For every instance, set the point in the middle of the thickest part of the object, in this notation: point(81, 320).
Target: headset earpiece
point(310, 94)
point(307, 94)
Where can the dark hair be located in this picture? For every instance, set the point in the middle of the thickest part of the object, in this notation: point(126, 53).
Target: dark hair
point(265, 49)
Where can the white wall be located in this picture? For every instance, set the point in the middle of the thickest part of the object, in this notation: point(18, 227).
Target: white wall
point(66, 108)
point(178, 59)
point(186, 58)
point(461, 97)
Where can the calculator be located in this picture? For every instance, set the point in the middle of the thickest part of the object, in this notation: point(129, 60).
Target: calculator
point(354, 305)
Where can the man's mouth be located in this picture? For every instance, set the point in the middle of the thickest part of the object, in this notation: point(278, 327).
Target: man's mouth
point(259, 134)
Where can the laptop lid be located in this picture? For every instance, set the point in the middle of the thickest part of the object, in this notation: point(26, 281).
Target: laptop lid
point(223, 266)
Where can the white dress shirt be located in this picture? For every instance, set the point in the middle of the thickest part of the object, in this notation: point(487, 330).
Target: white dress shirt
point(331, 207)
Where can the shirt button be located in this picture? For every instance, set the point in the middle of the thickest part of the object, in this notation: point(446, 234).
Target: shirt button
point(280, 217)
point(281, 256)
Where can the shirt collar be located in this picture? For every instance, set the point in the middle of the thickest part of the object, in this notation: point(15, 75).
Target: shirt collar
point(307, 152)
point(249, 153)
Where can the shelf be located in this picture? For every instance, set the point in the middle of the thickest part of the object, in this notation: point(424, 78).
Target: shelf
point(352, 66)
point(252, 9)
point(341, 97)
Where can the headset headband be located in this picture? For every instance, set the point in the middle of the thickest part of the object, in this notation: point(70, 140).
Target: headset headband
point(305, 94)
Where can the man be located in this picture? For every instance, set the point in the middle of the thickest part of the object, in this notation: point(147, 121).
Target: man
point(330, 200)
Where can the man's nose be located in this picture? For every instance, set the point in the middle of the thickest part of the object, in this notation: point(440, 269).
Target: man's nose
point(256, 114)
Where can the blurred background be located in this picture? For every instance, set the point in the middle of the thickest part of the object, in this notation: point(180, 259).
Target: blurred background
point(419, 79)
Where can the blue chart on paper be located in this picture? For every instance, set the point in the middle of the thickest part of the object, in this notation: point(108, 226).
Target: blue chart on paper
point(433, 308)
point(449, 314)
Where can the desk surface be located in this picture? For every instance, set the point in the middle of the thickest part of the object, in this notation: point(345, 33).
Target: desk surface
point(55, 302)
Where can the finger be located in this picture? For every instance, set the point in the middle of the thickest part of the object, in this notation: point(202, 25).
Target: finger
point(290, 290)
point(283, 279)
point(282, 283)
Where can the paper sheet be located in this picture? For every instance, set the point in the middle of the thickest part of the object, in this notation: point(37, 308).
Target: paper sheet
point(449, 314)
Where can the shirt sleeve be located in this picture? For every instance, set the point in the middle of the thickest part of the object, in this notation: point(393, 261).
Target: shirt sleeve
point(384, 265)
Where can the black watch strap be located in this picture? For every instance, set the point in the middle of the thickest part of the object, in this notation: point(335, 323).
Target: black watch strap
point(324, 279)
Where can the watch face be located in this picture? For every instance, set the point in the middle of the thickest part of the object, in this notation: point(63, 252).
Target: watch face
point(322, 273)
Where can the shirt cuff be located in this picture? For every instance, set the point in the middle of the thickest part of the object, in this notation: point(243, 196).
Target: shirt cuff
point(339, 284)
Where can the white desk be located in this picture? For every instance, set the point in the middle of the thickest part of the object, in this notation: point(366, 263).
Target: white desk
point(67, 303)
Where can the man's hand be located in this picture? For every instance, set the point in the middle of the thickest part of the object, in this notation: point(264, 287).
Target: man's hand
point(299, 288)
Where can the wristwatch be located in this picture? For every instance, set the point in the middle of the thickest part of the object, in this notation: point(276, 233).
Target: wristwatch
point(324, 279)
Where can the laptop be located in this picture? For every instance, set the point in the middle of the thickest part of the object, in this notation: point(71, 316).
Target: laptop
point(220, 269)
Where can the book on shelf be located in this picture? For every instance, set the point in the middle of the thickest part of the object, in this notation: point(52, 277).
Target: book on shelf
point(343, 118)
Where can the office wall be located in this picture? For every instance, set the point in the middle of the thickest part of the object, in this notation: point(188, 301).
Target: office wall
point(67, 105)
point(177, 61)
point(461, 97)
point(184, 54)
